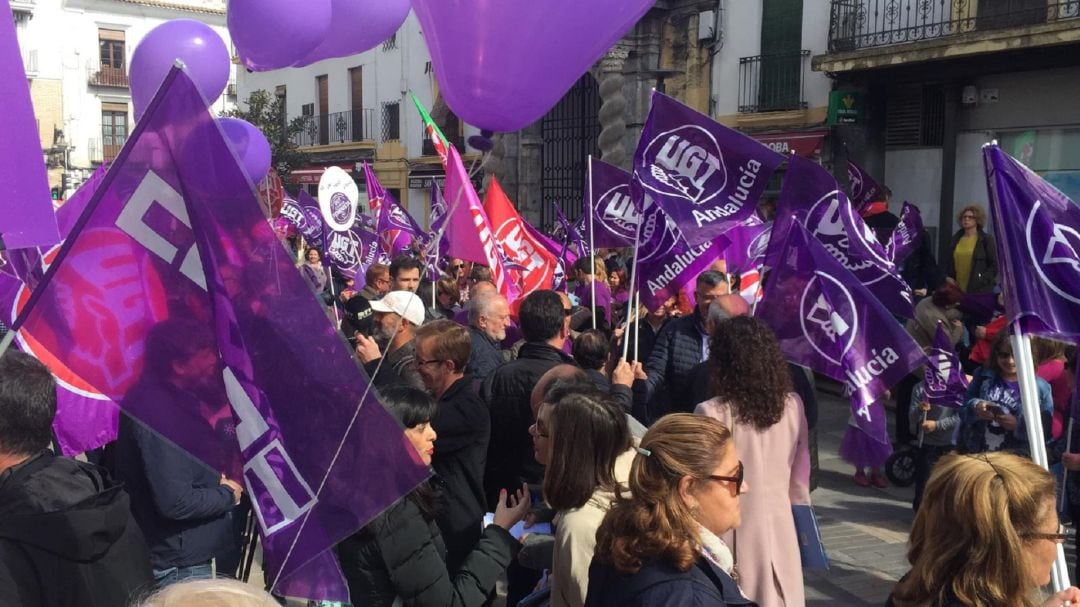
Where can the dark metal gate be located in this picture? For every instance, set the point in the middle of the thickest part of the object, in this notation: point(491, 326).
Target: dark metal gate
point(569, 132)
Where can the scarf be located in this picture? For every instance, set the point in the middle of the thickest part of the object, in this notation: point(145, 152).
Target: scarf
point(714, 549)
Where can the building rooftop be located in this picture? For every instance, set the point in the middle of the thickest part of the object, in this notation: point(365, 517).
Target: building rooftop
point(209, 7)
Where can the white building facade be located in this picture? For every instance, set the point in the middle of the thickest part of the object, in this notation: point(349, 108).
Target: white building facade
point(358, 109)
point(76, 54)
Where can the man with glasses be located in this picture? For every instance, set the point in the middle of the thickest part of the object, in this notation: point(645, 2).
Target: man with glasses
point(463, 428)
point(397, 316)
point(376, 282)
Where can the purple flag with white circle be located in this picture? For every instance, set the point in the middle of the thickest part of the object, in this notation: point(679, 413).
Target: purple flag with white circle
point(174, 248)
point(396, 228)
point(610, 211)
point(944, 382)
point(812, 197)
point(1038, 243)
point(705, 176)
point(827, 321)
point(862, 186)
point(749, 242)
point(906, 236)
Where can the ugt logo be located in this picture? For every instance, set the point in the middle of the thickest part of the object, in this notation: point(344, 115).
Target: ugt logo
point(833, 318)
point(617, 212)
point(1054, 250)
point(685, 162)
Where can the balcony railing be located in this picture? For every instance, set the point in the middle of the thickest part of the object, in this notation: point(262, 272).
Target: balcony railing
point(338, 127)
point(772, 83)
point(99, 153)
point(858, 24)
point(103, 75)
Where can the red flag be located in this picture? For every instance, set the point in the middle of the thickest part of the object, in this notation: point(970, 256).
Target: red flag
point(533, 266)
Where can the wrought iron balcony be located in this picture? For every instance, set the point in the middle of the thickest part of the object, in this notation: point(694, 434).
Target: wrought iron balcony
point(772, 83)
point(339, 127)
point(104, 75)
point(859, 24)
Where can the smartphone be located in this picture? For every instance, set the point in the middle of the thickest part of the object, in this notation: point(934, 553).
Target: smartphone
point(996, 409)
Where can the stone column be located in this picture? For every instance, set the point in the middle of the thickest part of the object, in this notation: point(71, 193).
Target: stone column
point(613, 107)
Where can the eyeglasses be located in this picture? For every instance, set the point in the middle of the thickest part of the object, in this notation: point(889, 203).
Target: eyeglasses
point(419, 362)
point(969, 216)
point(457, 267)
point(1059, 537)
point(737, 479)
point(382, 281)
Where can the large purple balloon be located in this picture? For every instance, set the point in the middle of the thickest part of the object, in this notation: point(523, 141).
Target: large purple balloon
point(199, 47)
point(250, 146)
point(502, 64)
point(272, 34)
point(358, 25)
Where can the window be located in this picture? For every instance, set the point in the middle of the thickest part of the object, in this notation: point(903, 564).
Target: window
point(111, 47)
point(915, 116)
point(391, 121)
point(390, 43)
point(114, 128)
point(308, 109)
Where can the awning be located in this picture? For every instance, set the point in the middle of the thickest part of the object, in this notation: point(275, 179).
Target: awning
point(803, 143)
point(312, 172)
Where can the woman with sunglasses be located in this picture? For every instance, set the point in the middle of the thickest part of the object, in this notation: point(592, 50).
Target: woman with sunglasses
point(993, 419)
point(754, 398)
point(660, 545)
point(973, 263)
point(985, 536)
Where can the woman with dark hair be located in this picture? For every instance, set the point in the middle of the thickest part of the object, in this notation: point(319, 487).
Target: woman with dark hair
point(754, 398)
point(591, 350)
point(619, 285)
point(985, 536)
point(993, 418)
point(973, 263)
point(447, 298)
point(660, 545)
point(400, 555)
point(315, 272)
point(587, 458)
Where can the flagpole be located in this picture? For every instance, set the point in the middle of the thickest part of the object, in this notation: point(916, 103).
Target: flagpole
point(1029, 399)
point(1065, 471)
point(633, 280)
point(435, 285)
point(637, 331)
point(592, 245)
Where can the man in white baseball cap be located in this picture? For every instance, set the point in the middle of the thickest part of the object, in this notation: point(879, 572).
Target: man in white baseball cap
point(397, 315)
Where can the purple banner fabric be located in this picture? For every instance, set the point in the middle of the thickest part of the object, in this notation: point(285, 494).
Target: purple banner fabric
point(827, 321)
point(905, 238)
point(353, 251)
point(396, 228)
point(944, 382)
point(309, 221)
point(1038, 243)
point(707, 177)
point(609, 212)
point(862, 186)
point(26, 213)
point(749, 242)
point(576, 235)
point(173, 297)
point(812, 197)
point(434, 258)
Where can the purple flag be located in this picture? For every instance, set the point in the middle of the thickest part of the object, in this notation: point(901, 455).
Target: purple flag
point(609, 212)
point(434, 256)
point(812, 197)
point(69, 212)
point(26, 213)
point(749, 242)
point(906, 236)
point(944, 382)
point(863, 188)
point(396, 228)
point(707, 177)
point(1038, 230)
point(308, 220)
point(352, 251)
point(827, 321)
point(575, 232)
point(173, 241)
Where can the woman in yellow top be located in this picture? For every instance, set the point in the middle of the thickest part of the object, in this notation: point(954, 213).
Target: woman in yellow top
point(973, 263)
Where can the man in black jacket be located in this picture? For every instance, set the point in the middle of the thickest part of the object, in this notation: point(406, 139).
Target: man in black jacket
point(396, 318)
point(463, 428)
point(66, 533)
point(182, 506)
point(680, 346)
point(544, 320)
point(489, 317)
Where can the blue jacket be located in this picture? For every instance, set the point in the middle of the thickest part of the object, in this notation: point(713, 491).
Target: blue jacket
point(659, 584)
point(986, 385)
point(486, 355)
point(179, 503)
point(679, 348)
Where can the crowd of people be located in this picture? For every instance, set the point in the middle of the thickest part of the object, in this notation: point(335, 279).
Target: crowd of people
point(665, 476)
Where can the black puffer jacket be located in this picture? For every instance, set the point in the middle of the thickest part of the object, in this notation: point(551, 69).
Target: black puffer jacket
point(463, 427)
point(401, 554)
point(510, 458)
point(984, 262)
point(678, 349)
point(67, 537)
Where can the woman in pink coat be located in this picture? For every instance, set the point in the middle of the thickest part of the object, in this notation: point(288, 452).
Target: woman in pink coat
point(754, 398)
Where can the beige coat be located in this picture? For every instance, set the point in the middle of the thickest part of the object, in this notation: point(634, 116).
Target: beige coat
point(776, 466)
point(575, 540)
